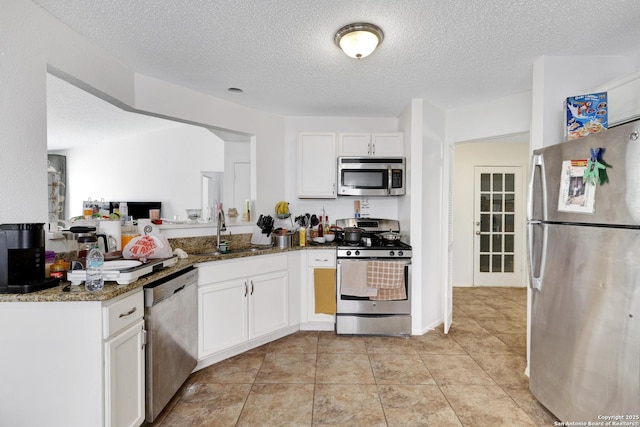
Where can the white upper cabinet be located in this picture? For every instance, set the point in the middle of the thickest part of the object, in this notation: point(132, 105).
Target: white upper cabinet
point(317, 165)
point(371, 144)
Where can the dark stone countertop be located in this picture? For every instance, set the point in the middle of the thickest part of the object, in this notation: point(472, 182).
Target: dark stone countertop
point(112, 290)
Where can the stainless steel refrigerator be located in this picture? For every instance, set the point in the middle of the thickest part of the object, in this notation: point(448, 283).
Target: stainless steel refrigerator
point(584, 262)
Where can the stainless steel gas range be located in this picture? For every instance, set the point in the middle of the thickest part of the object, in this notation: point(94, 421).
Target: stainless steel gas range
point(373, 278)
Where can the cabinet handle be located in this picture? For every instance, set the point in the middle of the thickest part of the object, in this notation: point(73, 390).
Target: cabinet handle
point(245, 289)
point(252, 287)
point(321, 260)
point(133, 310)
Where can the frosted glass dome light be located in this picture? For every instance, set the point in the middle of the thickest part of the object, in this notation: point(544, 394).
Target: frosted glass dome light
point(359, 40)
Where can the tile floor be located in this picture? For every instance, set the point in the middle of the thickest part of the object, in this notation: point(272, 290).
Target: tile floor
point(471, 377)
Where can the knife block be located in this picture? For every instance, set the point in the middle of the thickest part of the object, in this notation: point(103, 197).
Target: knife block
point(257, 238)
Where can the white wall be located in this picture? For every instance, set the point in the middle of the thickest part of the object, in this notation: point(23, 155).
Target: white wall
point(509, 152)
point(503, 116)
point(341, 207)
point(32, 42)
point(430, 216)
point(557, 77)
point(160, 166)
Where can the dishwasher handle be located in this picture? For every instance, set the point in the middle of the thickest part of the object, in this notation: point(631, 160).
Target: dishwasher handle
point(159, 290)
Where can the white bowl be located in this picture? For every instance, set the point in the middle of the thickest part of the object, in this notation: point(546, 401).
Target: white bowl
point(329, 237)
point(319, 239)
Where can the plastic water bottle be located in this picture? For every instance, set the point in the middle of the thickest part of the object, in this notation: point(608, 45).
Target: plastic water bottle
point(94, 263)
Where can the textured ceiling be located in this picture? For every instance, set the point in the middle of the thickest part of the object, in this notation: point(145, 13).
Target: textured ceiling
point(282, 54)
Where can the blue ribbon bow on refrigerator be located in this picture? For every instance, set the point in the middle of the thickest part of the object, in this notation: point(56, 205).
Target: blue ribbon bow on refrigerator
point(596, 171)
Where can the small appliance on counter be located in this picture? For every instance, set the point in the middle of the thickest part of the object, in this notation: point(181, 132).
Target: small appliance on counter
point(22, 259)
point(125, 271)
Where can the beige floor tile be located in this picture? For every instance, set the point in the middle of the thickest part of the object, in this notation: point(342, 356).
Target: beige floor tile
point(529, 404)
point(208, 405)
point(236, 370)
point(485, 311)
point(466, 326)
point(477, 405)
point(517, 343)
point(455, 369)
point(501, 325)
point(347, 405)
point(474, 344)
point(416, 405)
point(344, 369)
point(329, 342)
point(287, 368)
point(400, 369)
point(389, 345)
point(278, 405)
point(436, 343)
point(502, 304)
point(507, 370)
point(300, 342)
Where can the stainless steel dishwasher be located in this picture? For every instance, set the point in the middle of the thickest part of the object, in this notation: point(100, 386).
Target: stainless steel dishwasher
point(171, 321)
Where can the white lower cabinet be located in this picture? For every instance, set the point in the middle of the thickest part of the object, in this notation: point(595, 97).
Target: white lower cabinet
point(73, 364)
point(316, 258)
point(124, 377)
point(241, 300)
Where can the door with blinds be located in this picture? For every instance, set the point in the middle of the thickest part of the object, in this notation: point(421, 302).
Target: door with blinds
point(499, 226)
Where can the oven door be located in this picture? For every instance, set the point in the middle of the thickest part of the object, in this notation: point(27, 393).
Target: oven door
point(349, 304)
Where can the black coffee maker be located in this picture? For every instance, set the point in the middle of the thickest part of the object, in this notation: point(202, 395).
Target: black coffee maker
point(22, 259)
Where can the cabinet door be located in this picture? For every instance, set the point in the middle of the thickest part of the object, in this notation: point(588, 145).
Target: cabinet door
point(124, 377)
point(222, 314)
point(317, 259)
point(354, 144)
point(268, 303)
point(317, 165)
point(387, 144)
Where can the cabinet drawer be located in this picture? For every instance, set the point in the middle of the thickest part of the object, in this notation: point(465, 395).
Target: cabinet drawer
point(321, 258)
point(123, 312)
point(220, 271)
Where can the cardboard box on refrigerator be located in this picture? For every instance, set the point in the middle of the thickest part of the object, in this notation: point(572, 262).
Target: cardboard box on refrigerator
point(585, 114)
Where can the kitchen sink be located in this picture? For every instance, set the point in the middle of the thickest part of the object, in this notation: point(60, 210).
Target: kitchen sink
point(235, 251)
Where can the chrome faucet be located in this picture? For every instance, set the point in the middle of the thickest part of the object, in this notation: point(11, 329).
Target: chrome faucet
point(220, 223)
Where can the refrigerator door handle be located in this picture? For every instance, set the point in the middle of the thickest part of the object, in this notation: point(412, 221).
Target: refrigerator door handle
point(537, 176)
point(537, 250)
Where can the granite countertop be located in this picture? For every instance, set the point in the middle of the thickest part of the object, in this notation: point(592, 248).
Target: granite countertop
point(112, 289)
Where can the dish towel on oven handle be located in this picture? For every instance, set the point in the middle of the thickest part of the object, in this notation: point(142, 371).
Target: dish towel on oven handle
point(353, 279)
point(388, 278)
point(324, 284)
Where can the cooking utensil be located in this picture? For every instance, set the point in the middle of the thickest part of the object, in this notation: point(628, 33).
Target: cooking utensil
point(283, 240)
point(390, 236)
point(352, 234)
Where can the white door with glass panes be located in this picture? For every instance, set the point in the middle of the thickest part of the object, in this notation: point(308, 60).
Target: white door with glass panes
point(499, 226)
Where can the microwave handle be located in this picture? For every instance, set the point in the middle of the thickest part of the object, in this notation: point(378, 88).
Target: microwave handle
point(389, 180)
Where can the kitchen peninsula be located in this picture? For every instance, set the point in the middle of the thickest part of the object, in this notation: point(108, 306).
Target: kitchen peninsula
point(83, 362)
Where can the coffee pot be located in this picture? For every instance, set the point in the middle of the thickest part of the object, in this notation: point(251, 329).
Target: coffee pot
point(88, 234)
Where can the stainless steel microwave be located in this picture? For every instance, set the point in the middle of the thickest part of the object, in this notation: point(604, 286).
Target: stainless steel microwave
point(371, 176)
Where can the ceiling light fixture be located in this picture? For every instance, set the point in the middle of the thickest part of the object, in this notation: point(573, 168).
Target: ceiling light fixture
point(359, 40)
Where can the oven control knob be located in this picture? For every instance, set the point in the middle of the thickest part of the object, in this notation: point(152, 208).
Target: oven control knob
point(357, 253)
point(391, 253)
point(400, 253)
point(348, 253)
